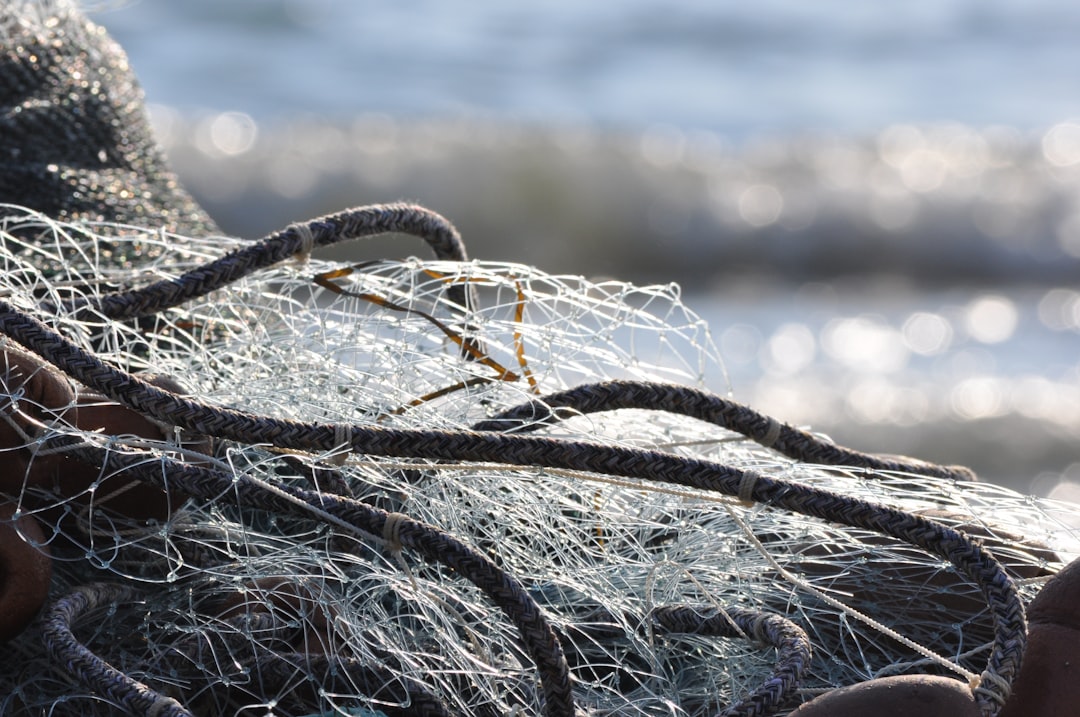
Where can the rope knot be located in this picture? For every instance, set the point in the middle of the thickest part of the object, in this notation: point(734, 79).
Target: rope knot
point(307, 242)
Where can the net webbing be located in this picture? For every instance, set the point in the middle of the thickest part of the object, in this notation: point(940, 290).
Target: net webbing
point(455, 487)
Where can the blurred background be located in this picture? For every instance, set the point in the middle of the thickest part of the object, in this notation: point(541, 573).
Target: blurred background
point(877, 208)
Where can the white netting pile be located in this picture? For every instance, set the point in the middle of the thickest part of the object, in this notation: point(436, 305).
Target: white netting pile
point(239, 611)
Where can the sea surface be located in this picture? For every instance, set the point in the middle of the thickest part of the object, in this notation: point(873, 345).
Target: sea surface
point(876, 207)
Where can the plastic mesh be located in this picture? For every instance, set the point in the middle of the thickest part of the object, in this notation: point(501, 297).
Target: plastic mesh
point(235, 610)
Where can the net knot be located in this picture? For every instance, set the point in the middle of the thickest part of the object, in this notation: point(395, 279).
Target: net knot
point(307, 242)
point(746, 488)
point(772, 433)
point(391, 533)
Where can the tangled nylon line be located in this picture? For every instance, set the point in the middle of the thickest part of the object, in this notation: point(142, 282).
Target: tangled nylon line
point(348, 427)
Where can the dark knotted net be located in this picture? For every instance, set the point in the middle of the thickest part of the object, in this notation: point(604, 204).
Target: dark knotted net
point(75, 142)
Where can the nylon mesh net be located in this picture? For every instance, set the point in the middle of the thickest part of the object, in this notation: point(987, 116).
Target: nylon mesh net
point(233, 609)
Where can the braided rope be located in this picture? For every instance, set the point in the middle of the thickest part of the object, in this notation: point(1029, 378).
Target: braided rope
point(515, 449)
point(791, 642)
point(687, 401)
point(506, 592)
point(295, 239)
point(970, 558)
point(128, 693)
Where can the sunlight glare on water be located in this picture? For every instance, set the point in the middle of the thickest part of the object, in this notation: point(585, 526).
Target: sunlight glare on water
point(991, 319)
point(927, 334)
point(866, 344)
point(789, 350)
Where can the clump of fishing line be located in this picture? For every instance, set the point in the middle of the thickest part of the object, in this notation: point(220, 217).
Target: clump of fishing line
point(227, 607)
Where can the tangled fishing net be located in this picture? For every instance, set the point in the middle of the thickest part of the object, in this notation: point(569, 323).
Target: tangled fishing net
point(239, 480)
point(454, 487)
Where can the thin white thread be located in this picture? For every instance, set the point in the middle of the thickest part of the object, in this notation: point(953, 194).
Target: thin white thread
point(847, 609)
point(308, 507)
point(650, 586)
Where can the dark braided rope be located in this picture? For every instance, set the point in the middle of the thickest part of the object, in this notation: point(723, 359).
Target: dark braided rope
point(684, 400)
point(791, 642)
point(296, 239)
point(537, 635)
point(998, 589)
point(399, 695)
point(130, 694)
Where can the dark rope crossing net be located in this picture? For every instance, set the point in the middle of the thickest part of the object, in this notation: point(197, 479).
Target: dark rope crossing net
point(270, 484)
point(242, 481)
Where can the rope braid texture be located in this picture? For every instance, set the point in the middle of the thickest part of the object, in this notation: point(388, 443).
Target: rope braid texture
point(77, 146)
point(524, 450)
point(791, 643)
point(128, 693)
point(294, 240)
point(513, 599)
point(687, 401)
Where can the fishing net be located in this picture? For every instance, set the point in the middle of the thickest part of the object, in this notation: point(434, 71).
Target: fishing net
point(75, 140)
point(244, 481)
point(454, 487)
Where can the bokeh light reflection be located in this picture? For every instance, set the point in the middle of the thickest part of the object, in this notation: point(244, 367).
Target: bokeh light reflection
point(760, 205)
point(1059, 309)
point(790, 349)
point(227, 134)
point(977, 398)
point(1061, 144)
point(991, 319)
point(879, 401)
point(866, 344)
point(927, 334)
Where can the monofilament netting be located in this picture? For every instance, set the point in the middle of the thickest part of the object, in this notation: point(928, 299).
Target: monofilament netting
point(406, 511)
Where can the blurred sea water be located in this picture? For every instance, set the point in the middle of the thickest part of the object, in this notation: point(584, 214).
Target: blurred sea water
point(876, 209)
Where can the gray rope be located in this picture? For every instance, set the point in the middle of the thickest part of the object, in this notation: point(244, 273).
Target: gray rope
point(537, 635)
point(523, 450)
point(101, 677)
point(790, 640)
point(295, 239)
point(702, 405)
